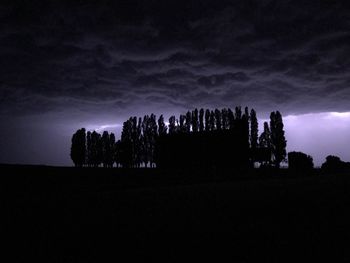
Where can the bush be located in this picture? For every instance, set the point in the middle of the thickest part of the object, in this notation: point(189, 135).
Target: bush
point(299, 161)
point(335, 164)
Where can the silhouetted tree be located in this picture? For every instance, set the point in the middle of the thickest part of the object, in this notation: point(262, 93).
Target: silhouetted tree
point(207, 120)
point(118, 153)
point(96, 142)
point(182, 127)
point(188, 122)
point(201, 120)
point(126, 145)
point(88, 149)
point(300, 162)
point(265, 137)
point(172, 125)
point(246, 112)
point(153, 138)
point(195, 121)
point(217, 147)
point(150, 133)
point(177, 126)
point(278, 141)
point(162, 129)
point(246, 118)
point(92, 148)
point(224, 119)
point(111, 153)
point(218, 119)
point(212, 121)
point(146, 152)
point(142, 141)
point(99, 149)
point(224, 131)
point(231, 119)
point(105, 148)
point(253, 130)
point(78, 148)
point(334, 164)
point(238, 113)
point(245, 126)
point(139, 143)
point(135, 141)
point(265, 143)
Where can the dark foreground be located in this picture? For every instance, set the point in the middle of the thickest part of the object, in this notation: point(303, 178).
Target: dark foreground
point(99, 215)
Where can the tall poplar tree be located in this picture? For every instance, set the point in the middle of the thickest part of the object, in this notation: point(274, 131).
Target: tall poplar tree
point(278, 140)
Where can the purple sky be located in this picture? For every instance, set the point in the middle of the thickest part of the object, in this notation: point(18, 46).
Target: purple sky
point(71, 64)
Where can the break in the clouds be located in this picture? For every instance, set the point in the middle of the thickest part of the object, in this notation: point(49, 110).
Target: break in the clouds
point(80, 60)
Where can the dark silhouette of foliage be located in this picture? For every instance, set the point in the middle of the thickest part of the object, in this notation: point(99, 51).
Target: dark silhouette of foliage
point(221, 134)
point(224, 119)
point(138, 140)
point(195, 121)
point(246, 118)
point(108, 148)
point(96, 149)
point(112, 149)
point(278, 141)
point(118, 153)
point(182, 127)
point(300, 162)
point(264, 156)
point(78, 148)
point(201, 120)
point(265, 137)
point(207, 120)
point(88, 149)
point(162, 129)
point(212, 121)
point(246, 113)
point(205, 150)
point(216, 139)
point(217, 119)
point(261, 155)
point(146, 139)
point(172, 125)
point(127, 154)
point(254, 132)
point(139, 143)
point(105, 148)
point(188, 122)
point(231, 119)
point(334, 164)
point(238, 113)
point(153, 137)
point(245, 125)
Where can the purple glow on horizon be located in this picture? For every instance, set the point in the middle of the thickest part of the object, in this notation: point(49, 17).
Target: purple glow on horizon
point(318, 134)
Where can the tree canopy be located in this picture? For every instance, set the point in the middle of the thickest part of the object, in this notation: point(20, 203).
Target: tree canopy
point(140, 141)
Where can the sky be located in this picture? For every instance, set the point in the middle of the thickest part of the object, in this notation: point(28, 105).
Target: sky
point(71, 64)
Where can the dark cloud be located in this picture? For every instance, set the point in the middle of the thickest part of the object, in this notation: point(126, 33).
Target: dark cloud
point(97, 52)
point(131, 57)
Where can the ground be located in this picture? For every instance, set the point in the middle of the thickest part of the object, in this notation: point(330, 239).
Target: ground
point(84, 215)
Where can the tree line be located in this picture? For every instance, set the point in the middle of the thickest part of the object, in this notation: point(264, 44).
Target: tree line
point(138, 145)
point(93, 149)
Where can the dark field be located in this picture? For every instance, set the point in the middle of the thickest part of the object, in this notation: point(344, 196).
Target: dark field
point(92, 215)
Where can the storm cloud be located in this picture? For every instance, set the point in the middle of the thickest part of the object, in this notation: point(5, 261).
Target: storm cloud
point(289, 55)
point(67, 59)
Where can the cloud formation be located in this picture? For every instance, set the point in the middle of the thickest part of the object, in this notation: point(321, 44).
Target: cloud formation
point(268, 54)
point(80, 60)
